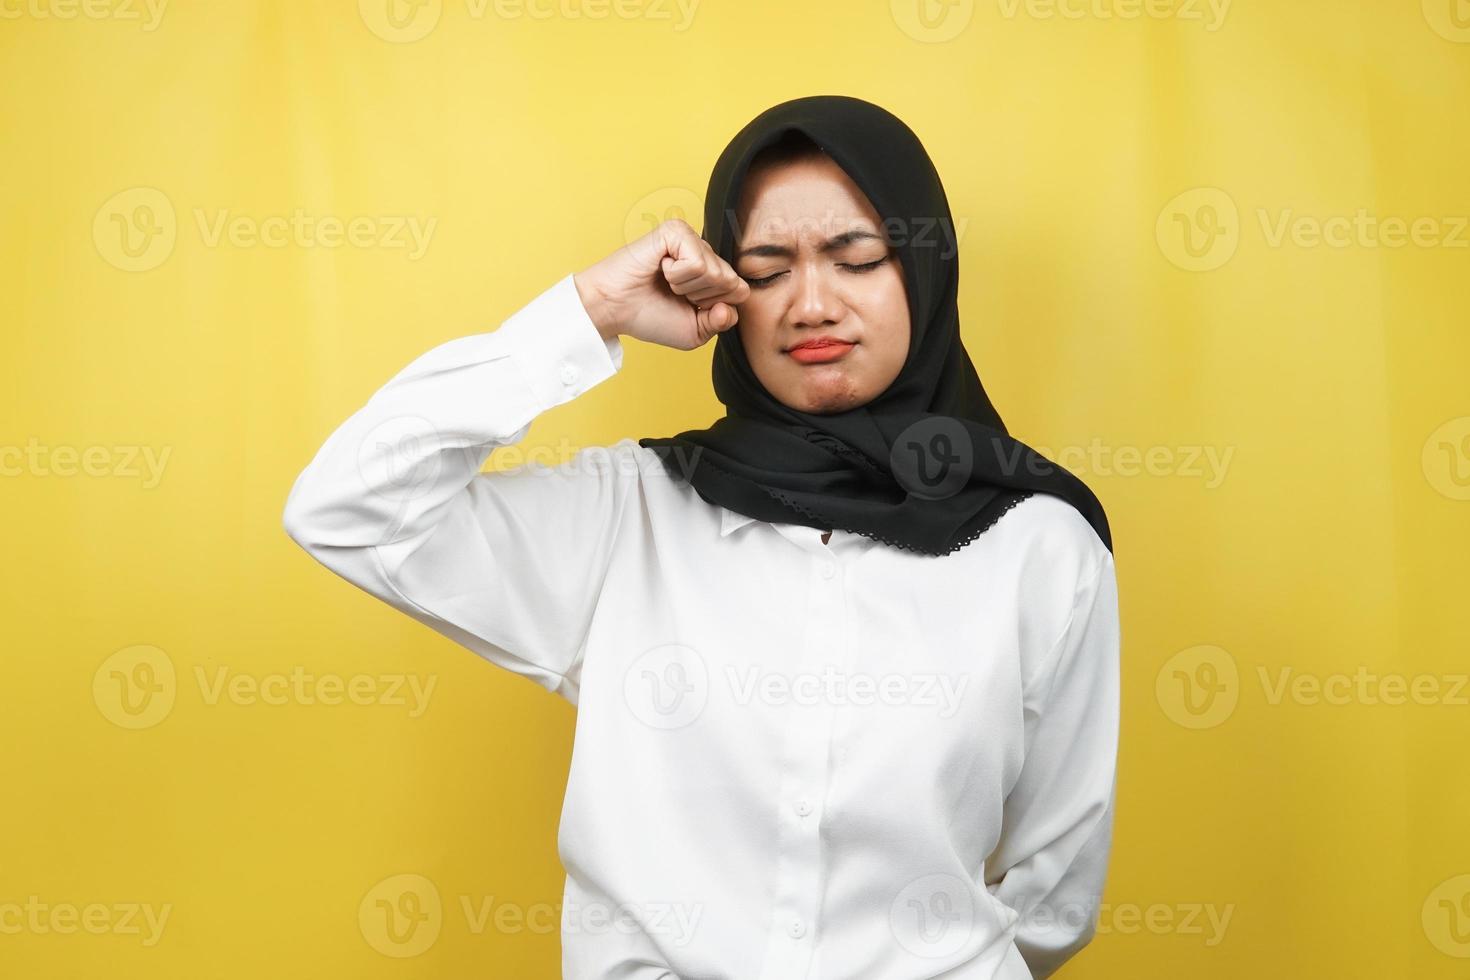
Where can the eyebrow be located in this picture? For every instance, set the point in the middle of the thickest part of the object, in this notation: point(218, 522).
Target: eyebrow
point(830, 245)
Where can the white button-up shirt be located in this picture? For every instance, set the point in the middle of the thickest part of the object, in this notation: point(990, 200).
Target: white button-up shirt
point(792, 759)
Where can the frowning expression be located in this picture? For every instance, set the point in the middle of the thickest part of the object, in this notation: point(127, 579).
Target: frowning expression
point(826, 327)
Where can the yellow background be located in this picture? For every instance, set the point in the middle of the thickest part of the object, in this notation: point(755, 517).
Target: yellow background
point(1332, 377)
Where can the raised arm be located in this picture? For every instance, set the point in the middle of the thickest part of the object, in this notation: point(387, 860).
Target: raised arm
point(504, 563)
point(509, 564)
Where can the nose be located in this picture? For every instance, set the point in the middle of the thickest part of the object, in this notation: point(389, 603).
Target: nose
point(816, 302)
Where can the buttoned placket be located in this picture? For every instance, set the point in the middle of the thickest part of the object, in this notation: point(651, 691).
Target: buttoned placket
point(804, 761)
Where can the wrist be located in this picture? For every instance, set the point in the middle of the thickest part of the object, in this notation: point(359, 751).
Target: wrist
point(597, 307)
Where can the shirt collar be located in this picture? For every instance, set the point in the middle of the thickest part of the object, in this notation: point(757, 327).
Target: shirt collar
point(731, 521)
point(801, 534)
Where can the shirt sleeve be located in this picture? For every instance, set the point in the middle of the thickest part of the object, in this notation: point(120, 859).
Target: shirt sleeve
point(509, 564)
point(1051, 861)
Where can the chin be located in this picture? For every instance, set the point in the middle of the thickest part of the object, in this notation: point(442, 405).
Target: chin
point(830, 402)
point(835, 392)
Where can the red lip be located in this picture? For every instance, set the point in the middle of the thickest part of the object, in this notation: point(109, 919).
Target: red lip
point(820, 350)
point(823, 341)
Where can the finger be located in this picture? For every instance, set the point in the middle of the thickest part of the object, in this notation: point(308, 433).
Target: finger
point(729, 292)
point(722, 282)
point(682, 272)
point(687, 259)
point(720, 271)
point(724, 315)
point(716, 319)
point(701, 273)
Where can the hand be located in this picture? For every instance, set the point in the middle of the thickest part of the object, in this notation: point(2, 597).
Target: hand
point(668, 287)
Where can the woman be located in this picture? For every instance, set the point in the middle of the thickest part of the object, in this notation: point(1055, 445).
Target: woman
point(845, 663)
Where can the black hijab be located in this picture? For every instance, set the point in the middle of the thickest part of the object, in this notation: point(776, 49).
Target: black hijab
point(927, 465)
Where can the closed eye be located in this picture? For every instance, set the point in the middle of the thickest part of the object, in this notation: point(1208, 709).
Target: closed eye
point(762, 283)
point(859, 268)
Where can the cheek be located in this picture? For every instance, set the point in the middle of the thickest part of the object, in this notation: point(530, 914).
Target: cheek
point(757, 325)
point(759, 307)
point(757, 335)
point(886, 318)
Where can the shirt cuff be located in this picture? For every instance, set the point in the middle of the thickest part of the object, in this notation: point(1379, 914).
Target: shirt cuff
point(557, 347)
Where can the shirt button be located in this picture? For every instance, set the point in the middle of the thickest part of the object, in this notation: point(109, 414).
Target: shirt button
point(797, 928)
point(802, 808)
point(828, 569)
point(570, 374)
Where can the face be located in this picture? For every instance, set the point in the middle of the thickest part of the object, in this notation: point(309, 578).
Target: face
point(826, 327)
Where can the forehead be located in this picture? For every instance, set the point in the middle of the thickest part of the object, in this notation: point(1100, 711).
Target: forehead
point(808, 198)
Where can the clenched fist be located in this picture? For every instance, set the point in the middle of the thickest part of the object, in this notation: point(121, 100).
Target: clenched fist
point(668, 287)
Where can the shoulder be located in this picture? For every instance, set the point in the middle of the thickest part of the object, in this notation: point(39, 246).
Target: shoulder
point(1045, 535)
point(622, 459)
point(639, 473)
point(1053, 559)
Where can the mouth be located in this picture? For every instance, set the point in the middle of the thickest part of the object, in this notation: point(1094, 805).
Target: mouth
point(820, 350)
